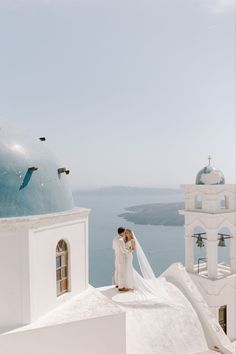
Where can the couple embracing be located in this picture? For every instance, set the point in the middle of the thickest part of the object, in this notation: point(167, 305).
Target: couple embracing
point(145, 285)
point(124, 245)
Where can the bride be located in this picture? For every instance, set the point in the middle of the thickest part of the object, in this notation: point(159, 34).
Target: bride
point(145, 286)
point(130, 245)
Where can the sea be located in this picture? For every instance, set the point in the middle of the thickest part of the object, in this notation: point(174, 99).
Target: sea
point(163, 245)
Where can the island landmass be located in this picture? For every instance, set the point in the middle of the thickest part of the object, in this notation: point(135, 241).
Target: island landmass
point(155, 214)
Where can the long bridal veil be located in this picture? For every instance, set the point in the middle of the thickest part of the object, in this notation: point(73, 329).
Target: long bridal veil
point(147, 287)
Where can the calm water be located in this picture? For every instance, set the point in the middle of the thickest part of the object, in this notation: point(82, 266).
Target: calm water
point(163, 245)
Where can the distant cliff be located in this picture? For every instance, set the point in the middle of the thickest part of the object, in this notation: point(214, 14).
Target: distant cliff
point(155, 214)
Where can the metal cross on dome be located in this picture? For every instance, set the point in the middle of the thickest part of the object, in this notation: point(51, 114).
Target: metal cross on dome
point(209, 159)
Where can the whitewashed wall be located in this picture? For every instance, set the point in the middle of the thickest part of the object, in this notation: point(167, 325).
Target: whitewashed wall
point(104, 335)
point(28, 263)
point(220, 293)
point(13, 274)
point(42, 250)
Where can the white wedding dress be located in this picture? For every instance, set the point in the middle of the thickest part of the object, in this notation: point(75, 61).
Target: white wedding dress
point(129, 270)
point(146, 287)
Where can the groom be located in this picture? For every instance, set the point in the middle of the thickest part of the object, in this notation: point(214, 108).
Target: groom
point(118, 246)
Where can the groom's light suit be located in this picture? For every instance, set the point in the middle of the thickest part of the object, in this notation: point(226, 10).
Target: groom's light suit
point(118, 246)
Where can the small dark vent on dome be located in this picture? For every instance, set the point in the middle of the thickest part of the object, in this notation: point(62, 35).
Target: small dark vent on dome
point(63, 170)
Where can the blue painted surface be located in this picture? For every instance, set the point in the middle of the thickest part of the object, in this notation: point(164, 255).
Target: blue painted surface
point(24, 191)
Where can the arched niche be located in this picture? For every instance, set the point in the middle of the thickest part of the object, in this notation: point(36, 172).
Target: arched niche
point(198, 202)
point(224, 201)
point(224, 252)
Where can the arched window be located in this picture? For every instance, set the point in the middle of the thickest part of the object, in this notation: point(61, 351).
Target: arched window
point(198, 202)
point(224, 202)
point(62, 267)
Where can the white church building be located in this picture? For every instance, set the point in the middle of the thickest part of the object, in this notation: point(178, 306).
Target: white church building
point(210, 218)
point(46, 303)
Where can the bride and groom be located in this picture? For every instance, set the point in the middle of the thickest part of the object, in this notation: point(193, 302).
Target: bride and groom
point(124, 245)
point(145, 286)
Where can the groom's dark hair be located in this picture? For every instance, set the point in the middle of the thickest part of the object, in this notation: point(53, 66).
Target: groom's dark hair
point(120, 230)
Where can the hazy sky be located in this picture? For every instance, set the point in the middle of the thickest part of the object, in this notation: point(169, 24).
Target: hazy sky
point(127, 92)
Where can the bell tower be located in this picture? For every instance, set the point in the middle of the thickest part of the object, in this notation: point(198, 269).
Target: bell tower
point(210, 225)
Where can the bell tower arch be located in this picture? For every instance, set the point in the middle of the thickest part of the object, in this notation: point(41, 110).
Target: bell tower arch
point(210, 206)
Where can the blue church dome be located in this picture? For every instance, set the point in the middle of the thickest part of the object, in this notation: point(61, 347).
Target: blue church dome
point(210, 175)
point(31, 182)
